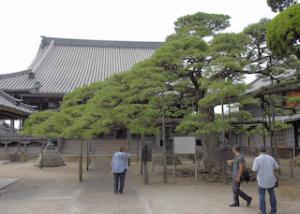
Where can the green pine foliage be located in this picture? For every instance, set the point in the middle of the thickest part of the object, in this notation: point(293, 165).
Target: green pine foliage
point(283, 34)
point(196, 69)
point(280, 5)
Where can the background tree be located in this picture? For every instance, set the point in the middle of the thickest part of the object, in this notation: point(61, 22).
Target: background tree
point(283, 35)
point(278, 71)
point(280, 5)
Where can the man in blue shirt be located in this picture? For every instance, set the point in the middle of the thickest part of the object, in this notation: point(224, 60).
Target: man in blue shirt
point(119, 165)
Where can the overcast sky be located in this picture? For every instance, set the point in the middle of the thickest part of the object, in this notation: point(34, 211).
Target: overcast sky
point(24, 21)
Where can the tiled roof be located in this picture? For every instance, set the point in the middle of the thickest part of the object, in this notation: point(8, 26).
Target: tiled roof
point(61, 65)
point(11, 104)
point(261, 82)
point(288, 118)
point(283, 118)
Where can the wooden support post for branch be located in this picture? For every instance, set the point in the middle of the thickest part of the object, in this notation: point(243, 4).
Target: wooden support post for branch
point(273, 129)
point(42, 156)
point(80, 160)
point(145, 172)
point(294, 150)
point(291, 164)
point(137, 150)
point(128, 140)
point(270, 130)
point(87, 155)
point(174, 164)
point(142, 146)
point(223, 124)
point(164, 140)
point(196, 168)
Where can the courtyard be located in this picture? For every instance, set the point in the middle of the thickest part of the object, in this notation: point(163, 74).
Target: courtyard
point(57, 190)
point(183, 87)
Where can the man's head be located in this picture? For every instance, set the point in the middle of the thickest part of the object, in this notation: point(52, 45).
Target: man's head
point(262, 149)
point(122, 149)
point(236, 149)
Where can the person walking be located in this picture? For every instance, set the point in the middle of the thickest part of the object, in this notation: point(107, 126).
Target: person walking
point(119, 166)
point(238, 167)
point(264, 165)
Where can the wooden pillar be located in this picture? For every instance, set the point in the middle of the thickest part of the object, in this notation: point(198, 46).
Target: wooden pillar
point(20, 125)
point(12, 126)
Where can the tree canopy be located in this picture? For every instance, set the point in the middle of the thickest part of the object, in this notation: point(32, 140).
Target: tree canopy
point(283, 35)
point(280, 5)
point(192, 73)
point(183, 69)
point(196, 69)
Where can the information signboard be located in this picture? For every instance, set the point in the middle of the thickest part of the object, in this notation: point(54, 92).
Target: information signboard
point(184, 145)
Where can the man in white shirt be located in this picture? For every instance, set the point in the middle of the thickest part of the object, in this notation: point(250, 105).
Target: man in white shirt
point(265, 165)
point(119, 165)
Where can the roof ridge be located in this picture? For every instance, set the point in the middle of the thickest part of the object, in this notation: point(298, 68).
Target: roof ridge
point(101, 43)
point(45, 55)
point(14, 74)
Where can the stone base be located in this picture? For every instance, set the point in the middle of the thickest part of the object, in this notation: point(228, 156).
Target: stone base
point(51, 158)
point(19, 156)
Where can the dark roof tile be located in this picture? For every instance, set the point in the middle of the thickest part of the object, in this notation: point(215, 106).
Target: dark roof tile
point(61, 65)
point(9, 103)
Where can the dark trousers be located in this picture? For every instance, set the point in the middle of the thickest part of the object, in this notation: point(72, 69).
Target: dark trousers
point(237, 192)
point(262, 200)
point(119, 179)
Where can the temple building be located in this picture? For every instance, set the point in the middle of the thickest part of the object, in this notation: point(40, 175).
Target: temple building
point(62, 65)
point(12, 110)
point(286, 139)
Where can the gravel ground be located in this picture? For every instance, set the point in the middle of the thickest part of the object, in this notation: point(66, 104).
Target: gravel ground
point(57, 190)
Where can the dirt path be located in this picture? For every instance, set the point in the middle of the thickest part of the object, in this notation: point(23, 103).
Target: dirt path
point(56, 190)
